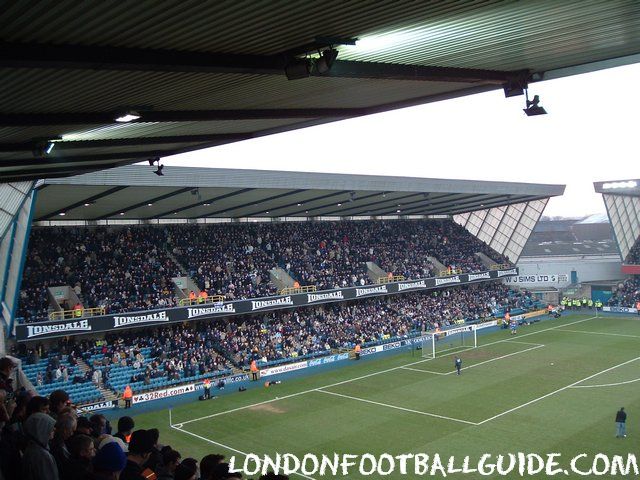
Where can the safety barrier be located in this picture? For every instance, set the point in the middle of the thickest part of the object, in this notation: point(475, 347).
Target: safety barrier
point(201, 301)
point(302, 289)
point(500, 266)
point(76, 313)
point(395, 278)
point(450, 271)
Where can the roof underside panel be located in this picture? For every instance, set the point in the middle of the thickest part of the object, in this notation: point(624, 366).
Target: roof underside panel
point(624, 212)
point(133, 192)
point(505, 228)
point(216, 70)
point(481, 33)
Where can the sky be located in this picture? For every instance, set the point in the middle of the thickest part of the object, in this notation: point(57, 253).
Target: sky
point(590, 134)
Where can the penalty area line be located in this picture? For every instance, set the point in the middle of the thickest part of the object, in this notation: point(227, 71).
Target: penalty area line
point(395, 407)
point(571, 385)
point(380, 372)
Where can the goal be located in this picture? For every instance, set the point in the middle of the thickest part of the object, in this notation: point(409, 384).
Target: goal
point(448, 341)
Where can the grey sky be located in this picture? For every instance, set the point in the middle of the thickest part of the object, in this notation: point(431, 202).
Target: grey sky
point(590, 134)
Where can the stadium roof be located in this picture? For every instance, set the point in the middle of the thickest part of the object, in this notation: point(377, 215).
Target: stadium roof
point(560, 248)
point(133, 192)
point(201, 74)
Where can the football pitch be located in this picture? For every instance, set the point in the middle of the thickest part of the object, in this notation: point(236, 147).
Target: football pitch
point(554, 387)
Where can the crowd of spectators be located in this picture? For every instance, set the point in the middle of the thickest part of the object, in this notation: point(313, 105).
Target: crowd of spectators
point(633, 258)
point(224, 259)
point(210, 346)
point(627, 294)
point(128, 269)
point(45, 438)
point(123, 269)
point(48, 438)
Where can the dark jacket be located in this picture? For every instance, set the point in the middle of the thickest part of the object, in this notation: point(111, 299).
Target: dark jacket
point(76, 469)
point(621, 416)
point(132, 471)
point(38, 463)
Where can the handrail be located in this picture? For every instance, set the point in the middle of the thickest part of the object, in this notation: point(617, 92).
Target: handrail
point(76, 313)
point(394, 278)
point(500, 266)
point(199, 300)
point(302, 289)
point(450, 271)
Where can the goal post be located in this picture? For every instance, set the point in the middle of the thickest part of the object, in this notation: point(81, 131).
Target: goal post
point(435, 344)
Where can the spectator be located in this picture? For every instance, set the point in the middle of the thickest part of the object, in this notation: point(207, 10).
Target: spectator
point(82, 451)
point(140, 448)
point(58, 401)
point(65, 427)
point(125, 427)
point(37, 462)
point(155, 459)
point(170, 460)
point(108, 463)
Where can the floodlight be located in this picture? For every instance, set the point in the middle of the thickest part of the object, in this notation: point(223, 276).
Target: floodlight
point(297, 69)
point(533, 106)
point(127, 116)
point(324, 63)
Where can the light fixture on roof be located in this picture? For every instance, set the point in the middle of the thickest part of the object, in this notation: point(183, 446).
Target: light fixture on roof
point(149, 204)
point(121, 213)
point(398, 211)
point(206, 204)
point(62, 214)
point(339, 204)
point(325, 62)
point(44, 147)
point(517, 84)
point(533, 106)
point(88, 204)
point(128, 116)
point(297, 68)
point(299, 204)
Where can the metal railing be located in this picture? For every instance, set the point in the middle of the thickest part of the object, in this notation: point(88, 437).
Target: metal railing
point(76, 313)
point(201, 301)
point(450, 271)
point(301, 289)
point(387, 279)
point(500, 266)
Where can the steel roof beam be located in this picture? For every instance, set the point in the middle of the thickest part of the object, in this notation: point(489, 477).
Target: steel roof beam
point(89, 200)
point(148, 116)
point(201, 202)
point(29, 55)
point(119, 142)
point(142, 204)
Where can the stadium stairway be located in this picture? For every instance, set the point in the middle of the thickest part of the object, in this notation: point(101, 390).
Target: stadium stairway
point(438, 266)
point(280, 278)
point(375, 272)
point(108, 394)
point(485, 260)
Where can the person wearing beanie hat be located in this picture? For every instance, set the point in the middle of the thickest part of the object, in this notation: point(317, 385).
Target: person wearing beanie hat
point(140, 447)
point(37, 462)
point(104, 439)
point(108, 462)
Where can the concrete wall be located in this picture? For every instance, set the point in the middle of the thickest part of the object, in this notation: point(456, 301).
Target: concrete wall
point(556, 271)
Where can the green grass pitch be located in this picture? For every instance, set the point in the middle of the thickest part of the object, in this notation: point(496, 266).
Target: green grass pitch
point(553, 388)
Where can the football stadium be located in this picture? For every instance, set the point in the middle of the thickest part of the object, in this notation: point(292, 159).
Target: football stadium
point(180, 322)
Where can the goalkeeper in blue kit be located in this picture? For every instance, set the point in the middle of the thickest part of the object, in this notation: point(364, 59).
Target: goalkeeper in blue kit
point(458, 364)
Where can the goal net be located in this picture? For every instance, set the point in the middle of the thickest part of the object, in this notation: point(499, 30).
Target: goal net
point(449, 341)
